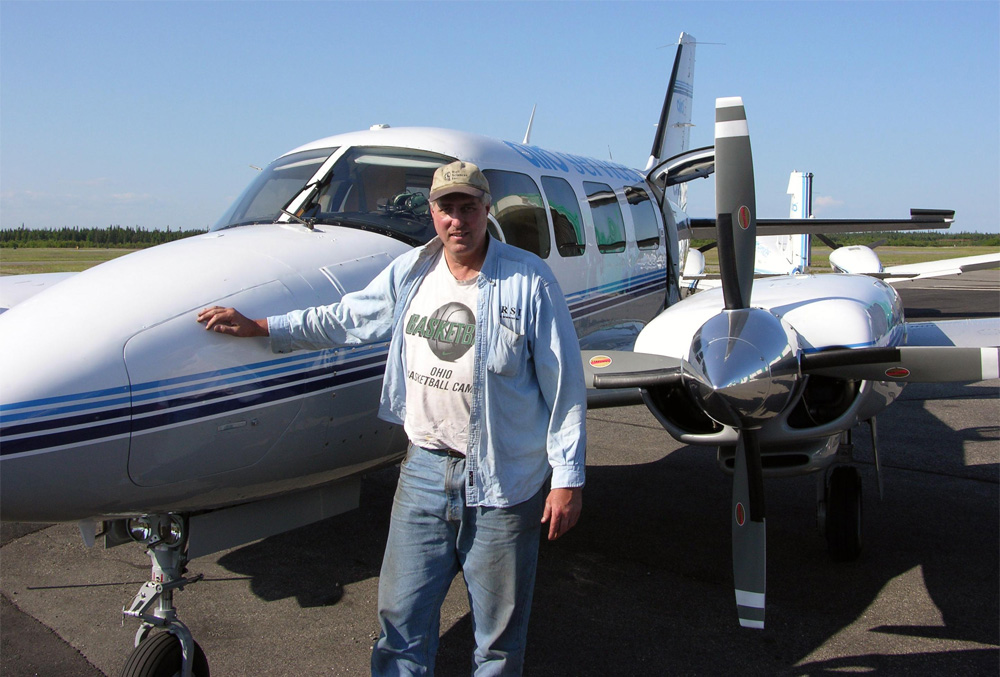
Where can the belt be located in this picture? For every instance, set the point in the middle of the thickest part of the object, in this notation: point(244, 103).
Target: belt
point(446, 452)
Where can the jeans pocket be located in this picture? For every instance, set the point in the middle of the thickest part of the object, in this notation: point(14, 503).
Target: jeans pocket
point(411, 449)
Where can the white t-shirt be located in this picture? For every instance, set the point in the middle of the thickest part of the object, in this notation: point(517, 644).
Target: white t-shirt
point(439, 340)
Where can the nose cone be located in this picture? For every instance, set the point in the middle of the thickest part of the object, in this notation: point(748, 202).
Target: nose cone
point(64, 412)
point(742, 367)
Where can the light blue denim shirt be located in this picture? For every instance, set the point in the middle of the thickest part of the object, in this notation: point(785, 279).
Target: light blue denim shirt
point(529, 399)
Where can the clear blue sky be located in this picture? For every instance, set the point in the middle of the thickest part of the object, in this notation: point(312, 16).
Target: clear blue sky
point(150, 113)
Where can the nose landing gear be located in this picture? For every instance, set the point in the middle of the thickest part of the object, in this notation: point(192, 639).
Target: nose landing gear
point(172, 653)
point(839, 504)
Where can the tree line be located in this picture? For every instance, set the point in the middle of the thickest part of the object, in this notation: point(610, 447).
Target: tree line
point(112, 237)
point(897, 238)
point(924, 238)
point(118, 237)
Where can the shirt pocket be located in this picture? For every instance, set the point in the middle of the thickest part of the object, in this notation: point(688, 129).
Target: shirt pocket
point(507, 353)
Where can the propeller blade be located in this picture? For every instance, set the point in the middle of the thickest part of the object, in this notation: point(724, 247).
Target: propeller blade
point(749, 532)
point(826, 240)
point(919, 364)
point(735, 202)
point(627, 369)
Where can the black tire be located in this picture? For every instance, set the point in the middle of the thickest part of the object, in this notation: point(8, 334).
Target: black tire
point(160, 656)
point(843, 514)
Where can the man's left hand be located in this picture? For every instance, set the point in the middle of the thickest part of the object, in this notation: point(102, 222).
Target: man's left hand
point(562, 510)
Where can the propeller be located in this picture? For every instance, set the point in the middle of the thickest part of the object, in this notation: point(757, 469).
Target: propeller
point(628, 369)
point(920, 364)
point(736, 223)
point(742, 364)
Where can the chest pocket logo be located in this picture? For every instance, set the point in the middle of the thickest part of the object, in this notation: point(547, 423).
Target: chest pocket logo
point(507, 353)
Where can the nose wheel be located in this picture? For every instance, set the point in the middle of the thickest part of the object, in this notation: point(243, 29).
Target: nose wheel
point(162, 655)
point(173, 652)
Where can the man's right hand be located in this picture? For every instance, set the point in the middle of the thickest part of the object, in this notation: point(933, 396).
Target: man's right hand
point(231, 321)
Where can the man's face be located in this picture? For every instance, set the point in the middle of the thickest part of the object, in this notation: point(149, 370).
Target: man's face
point(460, 222)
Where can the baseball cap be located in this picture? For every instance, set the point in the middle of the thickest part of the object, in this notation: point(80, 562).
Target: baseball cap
point(459, 177)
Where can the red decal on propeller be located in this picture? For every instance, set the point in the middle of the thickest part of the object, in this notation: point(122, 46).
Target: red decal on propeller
point(743, 216)
point(741, 514)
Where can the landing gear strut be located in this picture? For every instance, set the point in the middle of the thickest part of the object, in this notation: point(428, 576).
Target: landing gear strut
point(173, 652)
point(843, 514)
point(839, 502)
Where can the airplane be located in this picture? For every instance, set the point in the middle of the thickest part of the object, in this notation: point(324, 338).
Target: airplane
point(126, 417)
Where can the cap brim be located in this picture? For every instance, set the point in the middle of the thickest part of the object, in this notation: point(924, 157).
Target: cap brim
point(448, 190)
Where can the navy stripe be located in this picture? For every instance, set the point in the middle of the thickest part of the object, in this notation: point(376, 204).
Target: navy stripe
point(250, 388)
point(616, 287)
point(214, 408)
point(212, 403)
point(609, 300)
point(73, 436)
point(603, 300)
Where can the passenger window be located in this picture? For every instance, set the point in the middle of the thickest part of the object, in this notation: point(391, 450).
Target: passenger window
point(647, 232)
point(608, 222)
point(564, 207)
point(518, 208)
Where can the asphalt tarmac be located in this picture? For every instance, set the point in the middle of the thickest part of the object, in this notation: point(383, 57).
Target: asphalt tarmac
point(642, 586)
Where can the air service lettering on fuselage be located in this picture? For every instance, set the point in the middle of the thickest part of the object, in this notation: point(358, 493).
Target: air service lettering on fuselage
point(566, 162)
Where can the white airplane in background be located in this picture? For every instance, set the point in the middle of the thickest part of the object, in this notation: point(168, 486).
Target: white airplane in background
point(134, 418)
point(787, 254)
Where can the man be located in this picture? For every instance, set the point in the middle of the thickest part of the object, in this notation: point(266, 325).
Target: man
point(484, 373)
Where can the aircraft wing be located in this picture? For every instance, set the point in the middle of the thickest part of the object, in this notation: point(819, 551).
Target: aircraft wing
point(17, 288)
point(978, 333)
point(956, 266)
point(920, 219)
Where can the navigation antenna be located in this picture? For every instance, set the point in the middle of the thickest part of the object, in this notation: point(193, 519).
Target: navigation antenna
point(527, 133)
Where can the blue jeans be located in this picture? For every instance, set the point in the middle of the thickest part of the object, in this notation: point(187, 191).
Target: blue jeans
point(432, 536)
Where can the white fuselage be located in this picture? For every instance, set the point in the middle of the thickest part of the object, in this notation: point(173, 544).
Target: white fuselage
point(115, 401)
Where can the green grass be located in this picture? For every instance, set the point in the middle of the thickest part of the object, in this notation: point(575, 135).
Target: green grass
point(38, 260)
point(33, 260)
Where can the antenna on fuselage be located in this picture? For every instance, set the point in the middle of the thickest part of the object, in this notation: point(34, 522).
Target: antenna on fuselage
point(527, 133)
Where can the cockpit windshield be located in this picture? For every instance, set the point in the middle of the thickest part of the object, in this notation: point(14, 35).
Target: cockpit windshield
point(273, 188)
point(372, 188)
